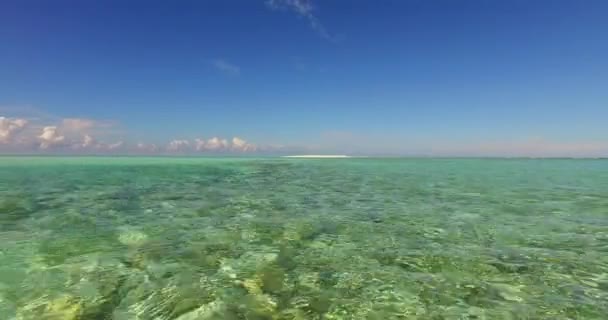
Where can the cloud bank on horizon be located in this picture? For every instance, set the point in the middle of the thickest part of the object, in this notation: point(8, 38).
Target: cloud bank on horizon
point(88, 136)
point(82, 136)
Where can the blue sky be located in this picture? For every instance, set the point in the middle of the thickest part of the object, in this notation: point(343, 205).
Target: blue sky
point(405, 77)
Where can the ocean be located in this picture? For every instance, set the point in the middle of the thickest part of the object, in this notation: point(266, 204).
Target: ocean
point(274, 238)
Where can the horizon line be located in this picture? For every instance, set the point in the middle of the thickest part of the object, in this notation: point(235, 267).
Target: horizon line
point(219, 155)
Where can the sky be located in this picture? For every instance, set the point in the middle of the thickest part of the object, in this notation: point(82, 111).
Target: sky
point(387, 77)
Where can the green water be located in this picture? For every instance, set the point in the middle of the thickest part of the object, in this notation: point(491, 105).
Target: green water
point(188, 239)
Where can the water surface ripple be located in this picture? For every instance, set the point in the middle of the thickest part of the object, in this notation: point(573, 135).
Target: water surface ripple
point(268, 238)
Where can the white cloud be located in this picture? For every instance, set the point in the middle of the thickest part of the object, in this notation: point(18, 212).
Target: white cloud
point(226, 67)
point(78, 125)
point(79, 135)
point(178, 145)
point(53, 134)
point(50, 137)
point(216, 144)
point(87, 142)
point(199, 144)
point(116, 145)
point(303, 8)
point(239, 144)
point(76, 133)
point(146, 147)
point(9, 127)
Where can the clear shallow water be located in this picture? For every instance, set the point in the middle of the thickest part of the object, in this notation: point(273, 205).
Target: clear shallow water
point(164, 238)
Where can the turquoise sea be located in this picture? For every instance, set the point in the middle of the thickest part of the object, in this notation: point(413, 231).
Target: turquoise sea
point(271, 238)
